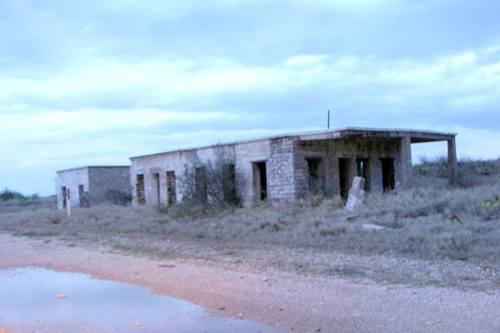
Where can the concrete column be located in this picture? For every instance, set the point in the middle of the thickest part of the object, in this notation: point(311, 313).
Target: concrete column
point(452, 160)
point(332, 187)
point(375, 175)
point(405, 163)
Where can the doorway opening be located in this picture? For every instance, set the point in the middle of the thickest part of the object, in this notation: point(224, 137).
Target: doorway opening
point(229, 183)
point(64, 195)
point(139, 189)
point(200, 176)
point(81, 191)
point(363, 168)
point(344, 177)
point(388, 176)
point(260, 180)
point(171, 188)
point(314, 168)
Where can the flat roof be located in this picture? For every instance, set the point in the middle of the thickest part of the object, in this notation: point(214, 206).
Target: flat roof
point(96, 167)
point(416, 136)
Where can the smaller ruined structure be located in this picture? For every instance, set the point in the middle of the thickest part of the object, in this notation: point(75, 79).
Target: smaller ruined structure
point(90, 185)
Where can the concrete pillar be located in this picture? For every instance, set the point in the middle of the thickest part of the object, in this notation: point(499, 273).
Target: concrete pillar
point(405, 163)
point(452, 160)
point(332, 187)
point(375, 175)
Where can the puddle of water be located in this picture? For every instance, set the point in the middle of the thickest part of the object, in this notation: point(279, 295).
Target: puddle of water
point(43, 301)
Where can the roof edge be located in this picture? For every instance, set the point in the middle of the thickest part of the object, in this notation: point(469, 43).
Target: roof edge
point(95, 167)
point(297, 134)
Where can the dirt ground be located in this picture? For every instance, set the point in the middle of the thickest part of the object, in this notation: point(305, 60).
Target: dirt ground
point(288, 301)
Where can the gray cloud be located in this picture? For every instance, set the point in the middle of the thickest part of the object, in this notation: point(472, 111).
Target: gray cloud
point(103, 80)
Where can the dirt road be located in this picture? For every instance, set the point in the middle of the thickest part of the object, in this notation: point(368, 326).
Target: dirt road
point(286, 301)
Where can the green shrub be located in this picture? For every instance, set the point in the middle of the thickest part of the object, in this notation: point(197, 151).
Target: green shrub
point(7, 194)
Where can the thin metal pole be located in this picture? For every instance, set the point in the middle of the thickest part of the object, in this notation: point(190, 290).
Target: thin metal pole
point(328, 119)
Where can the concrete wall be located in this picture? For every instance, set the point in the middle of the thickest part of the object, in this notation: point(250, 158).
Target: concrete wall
point(159, 164)
point(276, 153)
point(105, 179)
point(71, 179)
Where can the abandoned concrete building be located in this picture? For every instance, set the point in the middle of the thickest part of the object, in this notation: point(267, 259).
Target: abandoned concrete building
point(289, 167)
point(92, 185)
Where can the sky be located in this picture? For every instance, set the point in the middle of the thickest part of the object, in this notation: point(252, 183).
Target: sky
point(98, 81)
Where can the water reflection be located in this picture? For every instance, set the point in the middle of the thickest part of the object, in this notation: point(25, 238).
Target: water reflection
point(33, 299)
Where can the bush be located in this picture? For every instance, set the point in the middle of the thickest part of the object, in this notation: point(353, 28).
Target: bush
point(211, 183)
point(7, 194)
point(467, 168)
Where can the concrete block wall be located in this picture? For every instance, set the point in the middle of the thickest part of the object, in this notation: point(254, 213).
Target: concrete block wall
point(242, 155)
point(176, 161)
point(159, 164)
point(103, 179)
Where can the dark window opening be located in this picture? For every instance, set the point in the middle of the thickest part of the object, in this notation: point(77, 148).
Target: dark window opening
point(171, 188)
point(81, 191)
point(344, 177)
point(229, 183)
point(314, 167)
point(139, 190)
point(156, 180)
point(64, 194)
point(388, 176)
point(201, 185)
point(363, 168)
point(260, 180)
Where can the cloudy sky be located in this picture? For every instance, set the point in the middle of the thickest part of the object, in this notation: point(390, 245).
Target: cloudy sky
point(102, 80)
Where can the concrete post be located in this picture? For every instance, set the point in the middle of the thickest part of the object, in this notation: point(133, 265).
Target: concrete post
point(405, 163)
point(452, 160)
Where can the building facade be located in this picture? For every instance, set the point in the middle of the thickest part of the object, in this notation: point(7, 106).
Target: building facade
point(92, 185)
point(289, 167)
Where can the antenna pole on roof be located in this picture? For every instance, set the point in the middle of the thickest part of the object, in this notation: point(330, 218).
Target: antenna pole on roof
point(328, 119)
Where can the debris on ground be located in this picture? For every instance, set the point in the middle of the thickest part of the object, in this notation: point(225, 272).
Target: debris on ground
point(356, 194)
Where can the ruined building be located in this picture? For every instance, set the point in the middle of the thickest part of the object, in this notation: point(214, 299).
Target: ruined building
point(290, 166)
point(92, 185)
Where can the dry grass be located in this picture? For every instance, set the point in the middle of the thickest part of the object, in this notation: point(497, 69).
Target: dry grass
point(33, 203)
point(432, 222)
point(427, 223)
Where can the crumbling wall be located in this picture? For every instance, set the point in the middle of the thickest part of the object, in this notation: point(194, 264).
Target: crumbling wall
point(276, 153)
point(286, 163)
point(176, 162)
point(158, 164)
point(352, 149)
point(246, 154)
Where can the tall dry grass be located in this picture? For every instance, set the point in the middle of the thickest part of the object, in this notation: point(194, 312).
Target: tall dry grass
point(430, 222)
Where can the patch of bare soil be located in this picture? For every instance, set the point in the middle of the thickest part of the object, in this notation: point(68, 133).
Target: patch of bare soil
point(286, 300)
